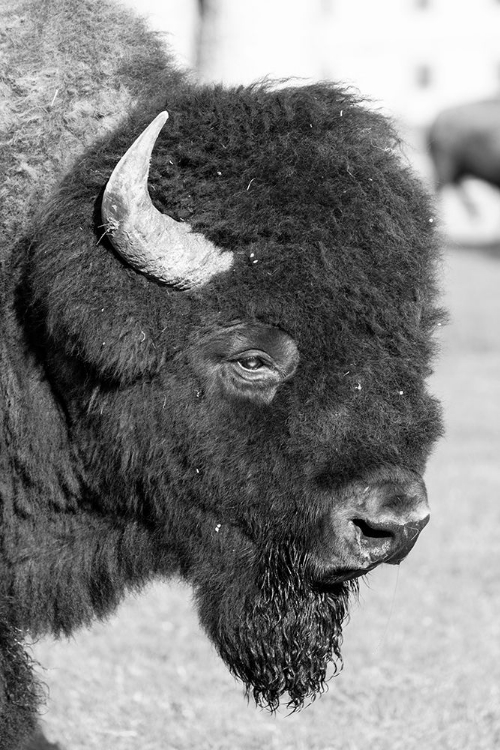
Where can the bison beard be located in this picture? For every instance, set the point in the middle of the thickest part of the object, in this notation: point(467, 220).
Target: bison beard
point(278, 633)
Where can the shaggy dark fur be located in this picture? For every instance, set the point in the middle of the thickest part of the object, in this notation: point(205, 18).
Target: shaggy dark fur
point(124, 459)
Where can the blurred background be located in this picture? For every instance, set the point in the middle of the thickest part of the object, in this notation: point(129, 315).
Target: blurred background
point(422, 651)
point(413, 56)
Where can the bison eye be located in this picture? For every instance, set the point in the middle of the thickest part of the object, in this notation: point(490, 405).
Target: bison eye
point(245, 361)
point(256, 366)
point(251, 363)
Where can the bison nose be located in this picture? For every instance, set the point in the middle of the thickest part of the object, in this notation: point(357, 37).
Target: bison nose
point(371, 523)
point(386, 539)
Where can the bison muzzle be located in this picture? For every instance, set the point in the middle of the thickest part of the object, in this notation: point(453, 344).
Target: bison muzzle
point(372, 522)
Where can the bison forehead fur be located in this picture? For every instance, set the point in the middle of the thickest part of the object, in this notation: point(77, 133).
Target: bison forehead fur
point(216, 432)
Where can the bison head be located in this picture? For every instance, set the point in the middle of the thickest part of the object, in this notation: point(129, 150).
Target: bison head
point(241, 358)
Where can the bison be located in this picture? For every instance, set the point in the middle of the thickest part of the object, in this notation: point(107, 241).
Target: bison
point(464, 141)
point(215, 343)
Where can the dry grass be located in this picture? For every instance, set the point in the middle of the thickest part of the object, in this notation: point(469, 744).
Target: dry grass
point(422, 652)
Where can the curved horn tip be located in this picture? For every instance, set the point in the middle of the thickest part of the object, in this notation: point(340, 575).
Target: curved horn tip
point(161, 118)
point(153, 129)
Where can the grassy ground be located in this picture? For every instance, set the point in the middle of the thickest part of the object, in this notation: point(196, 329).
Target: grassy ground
point(422, 651)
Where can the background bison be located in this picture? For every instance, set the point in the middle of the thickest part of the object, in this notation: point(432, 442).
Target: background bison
point(464, 142)
point(230, 389)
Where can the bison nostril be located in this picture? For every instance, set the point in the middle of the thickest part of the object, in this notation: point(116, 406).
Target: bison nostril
point(370, 531)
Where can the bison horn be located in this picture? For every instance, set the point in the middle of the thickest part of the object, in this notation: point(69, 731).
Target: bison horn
point(149, 241)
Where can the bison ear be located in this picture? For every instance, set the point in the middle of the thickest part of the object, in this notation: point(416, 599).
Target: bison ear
point(149, 241)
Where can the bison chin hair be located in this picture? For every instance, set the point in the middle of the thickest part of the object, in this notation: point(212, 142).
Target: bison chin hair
point(275, 630)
